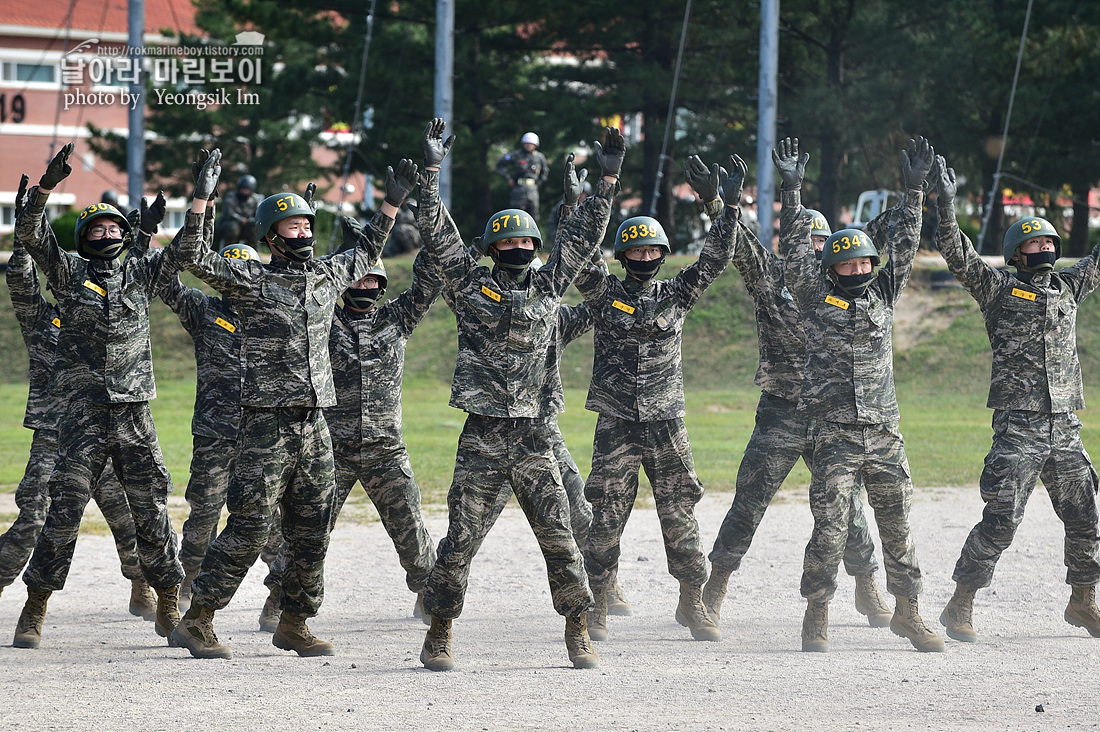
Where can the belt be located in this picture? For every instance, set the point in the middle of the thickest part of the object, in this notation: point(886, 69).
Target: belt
point(526, 182)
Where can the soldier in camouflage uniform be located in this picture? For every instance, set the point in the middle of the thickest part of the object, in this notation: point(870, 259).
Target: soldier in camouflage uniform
point(284, 453)
point(1035, 391)
point(104, 368)
point(367, 348)
point(525, 169)
point(638, 391)
point(848, 389)
point(506, 319)
point(237, 223)
point(781, 435)
point(40, 323)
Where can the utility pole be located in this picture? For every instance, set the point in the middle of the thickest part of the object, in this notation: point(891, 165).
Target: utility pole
point(444, 81)
point(135, 145)
point(765, 125)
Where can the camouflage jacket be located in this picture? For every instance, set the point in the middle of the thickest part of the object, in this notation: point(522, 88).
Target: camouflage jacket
point(40, 324)
point(1032, 326)
point(285, 310)
point(368, 358)
point(573, 322)
point(234, 208)
point(103, 350)
point(849, 372)
point(522, 165)
point(637, 371)
point(505, 326)
point(778, 317)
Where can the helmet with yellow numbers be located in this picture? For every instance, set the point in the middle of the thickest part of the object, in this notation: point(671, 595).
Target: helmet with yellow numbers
point(640, 231)
point(243, 252)
point(84, 219)
point(274, 209)
point(1029, 228)
point(848, 244)
point(819, 225)
point(511, 223)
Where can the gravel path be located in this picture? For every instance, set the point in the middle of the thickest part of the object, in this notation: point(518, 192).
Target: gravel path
point(100, 668)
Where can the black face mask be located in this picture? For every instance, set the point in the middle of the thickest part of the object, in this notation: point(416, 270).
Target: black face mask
point(299, 249)
point(643, 270)
point(105, 249)
point(515, 260)
point(818, 253)
point(243, 196)
point(854, 285)
point(363, 298)
point(1039, 261)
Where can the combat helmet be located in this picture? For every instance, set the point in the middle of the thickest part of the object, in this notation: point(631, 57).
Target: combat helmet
point(641, 231)
point(508, 224)
point(1029, 228)
point(103, 248)
point(819, 225)
point(363, 298)
point(274, 209)
point(243, 252)
point(848, 244)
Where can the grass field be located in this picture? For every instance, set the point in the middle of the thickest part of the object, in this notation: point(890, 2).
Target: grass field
point(941, 364)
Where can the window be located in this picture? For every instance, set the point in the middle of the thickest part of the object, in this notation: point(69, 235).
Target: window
point(7, 215)
point(17, 71)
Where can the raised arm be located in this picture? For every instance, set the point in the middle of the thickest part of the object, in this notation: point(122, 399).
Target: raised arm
point(981, 280)
point(22, 276)
point(899, 233)
point(34, 230)
point(803, 271)
point(413, 304)
point(437, 229)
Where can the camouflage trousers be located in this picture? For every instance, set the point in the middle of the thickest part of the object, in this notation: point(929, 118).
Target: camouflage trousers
point(525, 197)
point(284, 460)
point(662, 448)
point(497, 456)
point(1027, 447)
point(89, 434)
point(845, 455)
point(33, 500)
point(780, 437)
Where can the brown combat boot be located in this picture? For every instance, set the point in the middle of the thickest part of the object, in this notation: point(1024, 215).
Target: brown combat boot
point(168, 612)
point(418, 609)
point(714, 591)
point(270, 614)
point(617, 604)
point(28, 631)
point(958, 617)
point(294, 635)
point(1082, 611)
point(579, 645)
point(436, 653)
point(691, 614)
point(908, 623)
point(189, 576)
point(870, 603)
point(195, 632)
point(815, 627)
point(143, 601)
point(597, 616)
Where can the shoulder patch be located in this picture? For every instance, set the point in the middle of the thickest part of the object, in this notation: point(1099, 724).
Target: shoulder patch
point(95, 288)
point(225, 324)
point(842, 304)
point(495, 296)
point(619, 305)
point(1023, 294)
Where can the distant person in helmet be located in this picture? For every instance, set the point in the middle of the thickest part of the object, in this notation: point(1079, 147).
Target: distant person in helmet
point(506, 320)
point(637, 390)
point(780, 434)
point(1035, 391)
point(40, 325)
point(238, 220)
point(104, 370)
point(847, 388)
point(284, 451)
point(367, 348)
point(525, 169)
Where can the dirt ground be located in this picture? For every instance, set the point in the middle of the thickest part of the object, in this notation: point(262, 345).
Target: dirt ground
point(99, 668)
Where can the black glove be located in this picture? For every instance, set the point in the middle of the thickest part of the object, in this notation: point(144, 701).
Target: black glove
point(206, 177)
point(151, 216)
point(435, 148)
point(611, 153)
point(945, 183)
point(352, 230)
point(791, 166)
point(21, 195)
point(573, 184)
point(916, 161)
point(703, 180)
point(58, 169)
point(734, 181)
point(310, 190)
point(401, 183)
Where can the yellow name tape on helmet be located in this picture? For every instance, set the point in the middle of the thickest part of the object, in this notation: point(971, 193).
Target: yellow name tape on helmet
point(506, 221)
point(845, 243)
point(639, 231)
point(95, 207)
point(291, 199)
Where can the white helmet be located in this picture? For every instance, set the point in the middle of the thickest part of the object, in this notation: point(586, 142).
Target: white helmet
point(530, 137)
